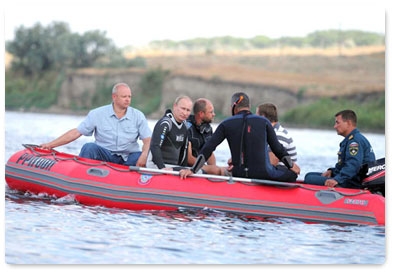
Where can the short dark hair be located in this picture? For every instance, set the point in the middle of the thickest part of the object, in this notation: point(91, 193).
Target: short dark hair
point(348, 115)
point(268, 110)
point(199, 105)
point(239, 100)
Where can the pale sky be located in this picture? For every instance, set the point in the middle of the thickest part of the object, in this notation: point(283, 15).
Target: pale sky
point(137, 22)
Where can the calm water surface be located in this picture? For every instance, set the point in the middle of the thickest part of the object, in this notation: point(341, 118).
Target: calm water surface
point(40, 230)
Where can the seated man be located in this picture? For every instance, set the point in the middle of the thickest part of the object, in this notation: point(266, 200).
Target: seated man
point(116, 127)
point(169, 141)
point(269, 111)
point(355, 150)
point(199, 131)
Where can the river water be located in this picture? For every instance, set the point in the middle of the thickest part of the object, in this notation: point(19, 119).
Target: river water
point(41, 231)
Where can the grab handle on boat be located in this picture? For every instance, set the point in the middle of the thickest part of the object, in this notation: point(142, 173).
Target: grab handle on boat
point(98, 172)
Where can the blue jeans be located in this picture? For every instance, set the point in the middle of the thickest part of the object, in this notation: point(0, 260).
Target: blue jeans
point(93, 151)
point(315, 178)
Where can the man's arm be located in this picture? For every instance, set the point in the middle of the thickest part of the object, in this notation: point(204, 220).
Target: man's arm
point(67, 137)
point(212, 160)
point(141, 162)
point(159, 134)
point(191, 158)
point(273, 159)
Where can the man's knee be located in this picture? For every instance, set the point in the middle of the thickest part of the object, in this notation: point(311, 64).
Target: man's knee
point(88, 150)
point(315, 178)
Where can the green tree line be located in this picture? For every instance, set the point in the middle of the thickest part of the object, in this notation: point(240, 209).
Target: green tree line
point(320, 39)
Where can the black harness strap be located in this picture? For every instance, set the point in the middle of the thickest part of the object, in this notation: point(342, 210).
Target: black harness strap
point(243, 156)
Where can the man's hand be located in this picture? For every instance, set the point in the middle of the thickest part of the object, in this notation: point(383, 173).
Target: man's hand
point(331, 183)
point(296, 169)
point(327, 173)
point(141, 162)
point(184, 173)
point(45, 146)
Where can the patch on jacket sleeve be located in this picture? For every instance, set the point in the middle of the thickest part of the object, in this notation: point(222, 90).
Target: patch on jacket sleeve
point(353, 148)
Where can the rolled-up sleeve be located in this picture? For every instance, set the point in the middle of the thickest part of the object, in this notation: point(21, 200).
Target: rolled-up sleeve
point(87, 126)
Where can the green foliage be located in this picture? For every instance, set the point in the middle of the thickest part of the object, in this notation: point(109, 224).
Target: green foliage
point(372, 115)
point(41, 54)
point(115, 59)
point(335, 37)
point(292, 41)
point(164, 43)
point(40, 49)
point(33, 49)
point(320, 114)
point(261, 41)
point(209, 44)
point(322, 39)
point(89, 48)
point(301, 93)
point(151, 86)
point(137, 62)
point(102, 94)
point(39, 92)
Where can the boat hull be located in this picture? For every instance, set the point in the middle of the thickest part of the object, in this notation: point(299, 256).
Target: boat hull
point(96, 183)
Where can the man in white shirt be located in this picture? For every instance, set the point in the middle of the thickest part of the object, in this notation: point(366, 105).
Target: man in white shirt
point(116, 127)
point(269, 111)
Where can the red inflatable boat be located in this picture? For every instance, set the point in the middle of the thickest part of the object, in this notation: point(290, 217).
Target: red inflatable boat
point(98, 183)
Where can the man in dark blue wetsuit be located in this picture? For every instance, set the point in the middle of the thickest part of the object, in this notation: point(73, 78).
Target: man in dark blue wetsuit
point(248, 136)
point(355, 150)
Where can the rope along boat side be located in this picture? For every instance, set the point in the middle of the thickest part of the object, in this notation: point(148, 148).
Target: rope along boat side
point(97, 183)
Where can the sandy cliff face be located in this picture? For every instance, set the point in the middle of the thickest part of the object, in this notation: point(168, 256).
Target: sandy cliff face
point(220, 92)
point(77, 91)
point(79, 88)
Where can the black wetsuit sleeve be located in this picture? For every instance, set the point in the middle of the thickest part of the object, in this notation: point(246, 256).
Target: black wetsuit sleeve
point(158, 136)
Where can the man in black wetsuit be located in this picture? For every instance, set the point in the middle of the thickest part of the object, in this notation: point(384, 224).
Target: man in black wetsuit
point(248, 136)
point(199, 131)
point(169, 141)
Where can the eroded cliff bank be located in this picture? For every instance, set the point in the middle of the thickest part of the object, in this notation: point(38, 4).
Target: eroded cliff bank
point(79, 88)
